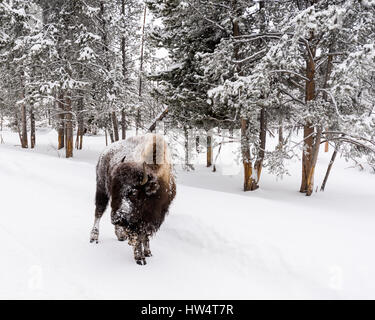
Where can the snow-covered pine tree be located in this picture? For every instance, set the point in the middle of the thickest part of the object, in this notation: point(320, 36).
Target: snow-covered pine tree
point(186, 31)
point(306, 58)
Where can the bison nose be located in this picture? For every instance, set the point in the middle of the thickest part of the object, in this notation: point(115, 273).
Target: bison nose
point(125, 206)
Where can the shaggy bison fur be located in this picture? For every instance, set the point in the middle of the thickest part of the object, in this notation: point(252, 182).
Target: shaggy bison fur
point(136, 174)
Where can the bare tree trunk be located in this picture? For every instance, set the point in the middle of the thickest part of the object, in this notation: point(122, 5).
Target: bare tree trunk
point(249, 182)
point(281, 135)
point(123, 125)
point(186, 147)
point(217, 156)
point(32, 128)
point(69, 127)
point(142, 51)
point(312, 165)
point(137, 122)
point(327, 76)
point(308, 130)
point(262, 145)
point(188, 166)
point(159, 118)
point(110, 132)
point(308, 136)
point(115, 126)
point(24, 142)
point(209, 149)
point(18, 127)
point(1, 129)
point(124, 71)
point(329, 168)
point(123, 41)
point(258, 166)
point(81, 133)
point(80, 123)
point(138, 119)
point(326, 147)
point(61, 128)
point(106, 137)
point(231, 135)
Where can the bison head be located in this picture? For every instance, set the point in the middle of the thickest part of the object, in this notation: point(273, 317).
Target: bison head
point(133, 186)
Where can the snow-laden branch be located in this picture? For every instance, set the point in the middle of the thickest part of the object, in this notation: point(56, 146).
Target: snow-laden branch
point(291, 72)
point(251, 57)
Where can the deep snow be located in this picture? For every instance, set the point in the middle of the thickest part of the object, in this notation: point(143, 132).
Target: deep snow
point(217, 242)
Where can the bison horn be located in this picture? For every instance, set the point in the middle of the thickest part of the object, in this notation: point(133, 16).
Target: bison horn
point(145, 177)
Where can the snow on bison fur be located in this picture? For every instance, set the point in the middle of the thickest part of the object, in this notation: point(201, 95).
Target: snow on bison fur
point(136, 174)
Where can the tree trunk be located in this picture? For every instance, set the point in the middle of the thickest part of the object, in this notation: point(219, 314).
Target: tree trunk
point(327, 76)
point(281, 135)
point(249, 182)
point(79, 137)
point(123, 125)
point(69, 128)
point(32, 128)
point(262, 145)
point(231, 135)
point(329, 168)
point(106, 137)
point(188, 166)
point(115, 126)
point(80, 127)
point(61, 127)
point(326, 147)
point(124, 71)
point(123, 41)
point(217, 156)
point(308, 130)
point(159, 118)
point(1, 129)
point(24, 142)
point(308, 135)
point(312, 165)
point(209, 150)
point(110, 132)
point(49, 116)
point(142, 51)
point(138, 119)
point(18, 127)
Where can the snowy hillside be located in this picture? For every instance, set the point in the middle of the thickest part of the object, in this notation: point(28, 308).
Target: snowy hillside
point(217, 242)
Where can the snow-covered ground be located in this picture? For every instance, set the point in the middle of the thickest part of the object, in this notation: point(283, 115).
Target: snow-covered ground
point(217, 242)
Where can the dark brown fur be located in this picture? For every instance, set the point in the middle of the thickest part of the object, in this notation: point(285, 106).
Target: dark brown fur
point(137, 210)
point(150, 201)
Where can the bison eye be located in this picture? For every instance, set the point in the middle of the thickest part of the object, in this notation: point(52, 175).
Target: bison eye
point(131, 193)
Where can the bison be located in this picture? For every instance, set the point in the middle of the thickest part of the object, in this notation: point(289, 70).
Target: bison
point(136, 174)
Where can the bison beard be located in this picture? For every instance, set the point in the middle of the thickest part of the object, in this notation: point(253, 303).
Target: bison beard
point(140, 193)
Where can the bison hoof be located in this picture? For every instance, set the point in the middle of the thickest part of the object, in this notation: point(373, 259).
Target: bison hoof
point(120, 233)
point(94, 237)
point(141, 262)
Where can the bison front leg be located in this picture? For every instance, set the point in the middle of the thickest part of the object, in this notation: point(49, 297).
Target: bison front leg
point(146, 247)
point(94, 235)
point(138, 253)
